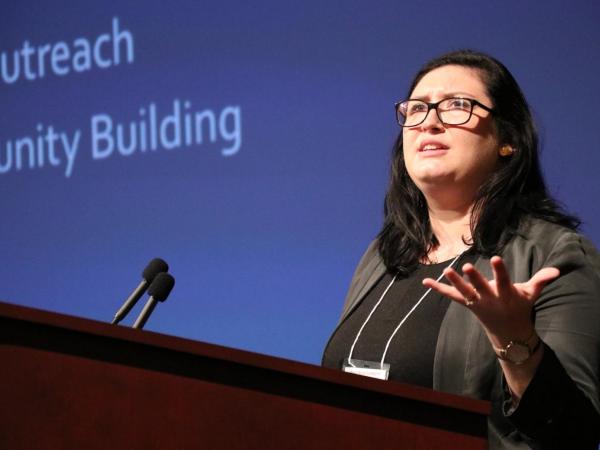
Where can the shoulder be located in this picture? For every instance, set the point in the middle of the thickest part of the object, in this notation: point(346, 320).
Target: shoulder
point(369, 269)
point(369, 263)
point(539, 231)
point(370, 255)
point(539, 243)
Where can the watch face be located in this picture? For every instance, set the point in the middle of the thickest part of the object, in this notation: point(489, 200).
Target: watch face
point(517, 352)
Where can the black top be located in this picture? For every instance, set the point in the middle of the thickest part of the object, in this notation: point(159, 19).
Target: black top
point(412, 349)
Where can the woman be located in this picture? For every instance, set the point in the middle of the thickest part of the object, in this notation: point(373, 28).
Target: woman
point(518, 323)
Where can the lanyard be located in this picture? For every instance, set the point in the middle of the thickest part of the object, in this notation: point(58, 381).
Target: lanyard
point(387, 345)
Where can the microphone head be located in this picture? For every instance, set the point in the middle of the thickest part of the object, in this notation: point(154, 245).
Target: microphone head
point(153, 268)
point(161, 286)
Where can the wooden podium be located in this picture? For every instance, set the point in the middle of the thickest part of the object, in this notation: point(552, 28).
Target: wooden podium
point(71, 383)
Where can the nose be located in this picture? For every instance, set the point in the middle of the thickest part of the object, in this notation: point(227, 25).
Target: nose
point(432, 121)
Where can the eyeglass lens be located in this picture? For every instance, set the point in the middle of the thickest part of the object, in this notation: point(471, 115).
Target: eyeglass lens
point(451, 111)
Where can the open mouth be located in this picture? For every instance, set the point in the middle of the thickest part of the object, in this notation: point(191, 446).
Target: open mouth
point(432, 147)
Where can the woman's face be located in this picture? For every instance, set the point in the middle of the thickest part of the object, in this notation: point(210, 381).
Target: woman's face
point(453, 160)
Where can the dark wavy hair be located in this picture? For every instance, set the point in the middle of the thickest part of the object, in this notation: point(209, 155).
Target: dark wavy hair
point(514, 190)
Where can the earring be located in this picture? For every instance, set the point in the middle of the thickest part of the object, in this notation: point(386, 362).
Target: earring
point(506, 150)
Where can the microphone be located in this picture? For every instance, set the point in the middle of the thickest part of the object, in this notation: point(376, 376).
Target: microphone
point(159, 290)
point(153, 268)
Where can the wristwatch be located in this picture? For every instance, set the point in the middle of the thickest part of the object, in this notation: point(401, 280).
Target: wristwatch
point(518, 352)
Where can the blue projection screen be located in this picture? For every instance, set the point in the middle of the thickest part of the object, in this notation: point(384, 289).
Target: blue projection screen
point(246, 143)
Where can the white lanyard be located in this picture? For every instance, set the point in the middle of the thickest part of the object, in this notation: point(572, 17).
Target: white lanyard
point(387, 345)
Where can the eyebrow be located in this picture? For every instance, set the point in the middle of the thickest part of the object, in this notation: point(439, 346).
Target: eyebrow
point(445, 95)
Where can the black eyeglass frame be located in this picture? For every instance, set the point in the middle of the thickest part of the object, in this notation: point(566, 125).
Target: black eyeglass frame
point(435, 105)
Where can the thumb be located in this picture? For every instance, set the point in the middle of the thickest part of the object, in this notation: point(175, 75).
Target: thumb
point(541, 278)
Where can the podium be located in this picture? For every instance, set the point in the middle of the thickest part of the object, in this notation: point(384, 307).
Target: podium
point(72, 383)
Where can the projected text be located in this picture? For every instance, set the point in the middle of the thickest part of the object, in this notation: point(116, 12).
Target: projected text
point(33, 62)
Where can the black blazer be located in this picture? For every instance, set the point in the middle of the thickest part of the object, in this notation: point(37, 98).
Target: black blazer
point(560, 408)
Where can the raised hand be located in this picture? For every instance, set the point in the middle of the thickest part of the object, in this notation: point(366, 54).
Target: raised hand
point(503, 308)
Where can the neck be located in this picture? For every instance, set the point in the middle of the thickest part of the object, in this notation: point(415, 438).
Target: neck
point(451, 225)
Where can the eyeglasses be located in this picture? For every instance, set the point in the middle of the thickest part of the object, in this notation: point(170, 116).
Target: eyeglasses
point(450, 111)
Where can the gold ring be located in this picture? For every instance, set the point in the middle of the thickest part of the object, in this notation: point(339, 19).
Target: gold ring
point(471, 300)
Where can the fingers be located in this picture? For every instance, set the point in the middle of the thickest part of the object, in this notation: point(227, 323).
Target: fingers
point(461, 291)
point(501, 287)
point(444, 289)
point(545, 275)
point(479, 282)
point(504, 285)
point(541, 278)
point(467, 290)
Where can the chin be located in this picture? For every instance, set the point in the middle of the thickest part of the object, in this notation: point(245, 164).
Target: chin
point(432, 178)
